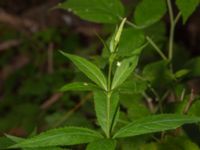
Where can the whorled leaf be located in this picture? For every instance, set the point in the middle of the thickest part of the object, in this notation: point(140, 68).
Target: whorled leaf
point(124, 69)
point(106, 107)
point(156, 123)
point(89, 69)
point(78, 86)
point(60, 137)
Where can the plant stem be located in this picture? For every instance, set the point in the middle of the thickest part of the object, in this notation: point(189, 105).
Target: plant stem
point(108, 115)
point(111, 60)
point(172, 27)
point(132, 24)
point(156, 48)
point(109, 74)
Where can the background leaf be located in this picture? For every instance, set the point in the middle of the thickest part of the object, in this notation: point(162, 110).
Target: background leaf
point(135, 41)
point(60, 137)
point(100, 11)
point(187, 7)
point(155, 123)
point(149, 11)
point(106, 109)
point(89, 69)
point(193, 66)
point(104, 144)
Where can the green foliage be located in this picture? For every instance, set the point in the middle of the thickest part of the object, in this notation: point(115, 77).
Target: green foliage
point(89, 69)
point(60, 137)
point(101, 11)
point(106, 107)
point(187, 7)
point(154, 123)
point(130, 104)
point(133, 45)
point(105, 144)
point(193, 66)
point(149, 11)
point(78, 86)
point(123, 71)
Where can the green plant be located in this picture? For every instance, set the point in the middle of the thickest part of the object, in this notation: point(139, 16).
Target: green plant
point(122, 56)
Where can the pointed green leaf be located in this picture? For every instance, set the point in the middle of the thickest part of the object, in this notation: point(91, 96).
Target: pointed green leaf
point(100, 11)
point(78, 86)
point(155, 123)
point(14, 138)
point(124, 69)
point(104, 144)
point(106, 107)
point(187, 7)
point(149, 11)
point(60, 137)
point(89, 69)
point(116, 37)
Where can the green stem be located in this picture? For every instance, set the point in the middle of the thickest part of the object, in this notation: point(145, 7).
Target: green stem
point(156, 48)
point(132, 24)
point(172, 27)
point(109, 75)
point(173, 22)
point(111, 60)
point(108, 115)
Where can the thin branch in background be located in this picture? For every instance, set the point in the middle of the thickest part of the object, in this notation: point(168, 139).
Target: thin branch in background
point(18, 22)
point(17, 63)
point(182, 94)
point(71, 111)
point(9, 44)
point(52, 100)
point(50, 62)
point(158, 50)
point(190, 101)
point(149, 102)
point(173, 22)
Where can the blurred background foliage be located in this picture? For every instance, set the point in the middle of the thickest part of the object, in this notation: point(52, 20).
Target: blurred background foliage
point(32, 70)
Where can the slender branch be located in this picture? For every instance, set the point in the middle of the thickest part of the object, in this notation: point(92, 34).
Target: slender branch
point(190, 102)
point(172, 27)
point(111, 60)
point(71, 111)
point(156, 48)
point(177, 18)
point(132, 24)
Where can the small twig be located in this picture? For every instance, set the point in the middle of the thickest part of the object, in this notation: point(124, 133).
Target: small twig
point(149, 102)
point(9, 44)
point(132, 24)
point(17, 63)
point(156, 48)
point(71, 111)
point(177, 18)
point(182, 94)
point(50, 59)
point(49, 102)
point(190, 101)
point(18, 22)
